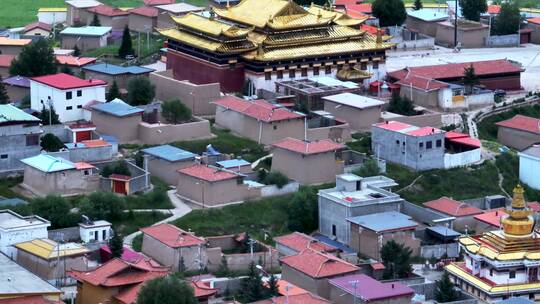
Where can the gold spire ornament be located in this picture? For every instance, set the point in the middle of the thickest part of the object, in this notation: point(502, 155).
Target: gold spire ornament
point(379, 36)
point(519, 223)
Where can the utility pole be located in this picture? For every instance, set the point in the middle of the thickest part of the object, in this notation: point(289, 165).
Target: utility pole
point(455, 24)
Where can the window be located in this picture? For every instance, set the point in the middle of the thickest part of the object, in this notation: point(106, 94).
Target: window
point(104, 234)
point(79, 106)
point(328, 69)
point(32, 139)
point(429, 144)
point(420, 145)
point(69, 95)
point(491, 272)
point(397, 142)
point(42, 101)
point(512, 274)
point(334, 230)
point(275, 127)
point(292, 73)
point(79, 93)
point(69, 108)
point(3, 156)
point(438, 143)
point(315, 71)
point(86, 172)
point(304, 72)
point(375, 64)
point(279, 74)
point(267, 75)
point(363, 66)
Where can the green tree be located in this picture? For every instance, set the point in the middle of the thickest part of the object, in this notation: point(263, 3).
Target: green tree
point(303, 212)
point(95, 21)
point(126, 47)
point(51, 143)
point(223, 269)
point(116, 244)
point(369, 168)
point(66, 69)
point(46, 119)
point(119, 167)
point(252, 288)
point(389, 12)
point(472, 9)
point(36, 59)
point(273, 289)
point(182, 269)
point(470, 79)
point(175, 112)
point(4, 98)
point(167, 290)
point(102, 206)
point(418, 5)
point(56, 209)
point(140, 91)
point(114, 92)
point(401, 105)
point(509, 19)
point(76, 51)
point(276, 178)
point(445, 291)
point(396, 259)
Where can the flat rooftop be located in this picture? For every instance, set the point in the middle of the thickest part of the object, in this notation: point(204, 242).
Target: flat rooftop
point(384, 221)
point(354, 100)
point(12, 220)
point(15, 280)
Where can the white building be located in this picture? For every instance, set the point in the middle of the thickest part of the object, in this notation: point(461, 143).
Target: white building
point(95, 231)
point(529, 166)
point(15, 228)
point(67, 94)
point(51, 15)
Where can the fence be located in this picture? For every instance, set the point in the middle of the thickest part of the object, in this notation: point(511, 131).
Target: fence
point(462, 159)
point(272, 190)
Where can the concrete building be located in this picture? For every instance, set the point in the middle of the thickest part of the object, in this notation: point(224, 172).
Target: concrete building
point(362, 289)
point(45, 174)
point(165, 161)
point(529, 166)
point(67, 94)
point(5, 63)
point(17, 87)
point(209, 186)
point(311, 270)
point(297, 242)
point(76, 11)
point(95, 231)
point(423, 148)
point(424, 21)
point(259, 120)
point(15, 228)
point(463, 212)
point(169, 244)
point(12, 46)
point(354, 196)
point(519, 132)
point(534, 25)
point(19, 138)
point(308, 163)
point(108, 16)
point(370, 232)
point(52, 15)
point(357, 110)
point(118, 119)
point(165, 11)
point(22, 286)
point(85, 38)
point(42, 256)
point(110, 72)
point(143, 19)
point(470, 34)
point(37, 29)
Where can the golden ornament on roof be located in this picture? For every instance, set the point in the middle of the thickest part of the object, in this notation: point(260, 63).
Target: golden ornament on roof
point(519, 223)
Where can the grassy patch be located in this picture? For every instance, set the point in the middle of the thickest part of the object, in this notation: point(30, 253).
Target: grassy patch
point(361, 143)
point(508, 164)
point(488, 130)
point(5, 187)
point(155, 199)
point(136, 244)
point(146, 49)
point(133, 221)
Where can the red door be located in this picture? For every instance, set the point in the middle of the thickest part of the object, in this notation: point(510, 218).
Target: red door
point(83, 135)
point(119, 186)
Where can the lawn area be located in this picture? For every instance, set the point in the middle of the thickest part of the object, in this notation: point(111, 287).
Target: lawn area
point(488, 130)
point(132, 222)
point(508, 164)
point(156, 42)
point(6, 184)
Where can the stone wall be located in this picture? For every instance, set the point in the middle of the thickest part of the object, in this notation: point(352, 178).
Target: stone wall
point(156, 134)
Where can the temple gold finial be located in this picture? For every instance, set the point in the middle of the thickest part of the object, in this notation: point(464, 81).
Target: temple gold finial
point(519, 222)
point(518, 199)
point(379, 36)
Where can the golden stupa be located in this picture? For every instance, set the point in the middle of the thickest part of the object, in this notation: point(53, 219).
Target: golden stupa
point(519, 223)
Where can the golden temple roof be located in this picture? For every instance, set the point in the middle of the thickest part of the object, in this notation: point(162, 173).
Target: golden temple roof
point(331, 33)
point(210, 26)
point(496, 246)
point(338, 17)
point(352, 74)
point(201, 42)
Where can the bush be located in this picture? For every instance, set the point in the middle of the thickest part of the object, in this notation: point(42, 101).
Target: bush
point(401, 105)
point(140, 91)
point(120, 167)
point(51, 143)
point(175, 112)
point(369, 168)
point(276, 178)
point(103, 206)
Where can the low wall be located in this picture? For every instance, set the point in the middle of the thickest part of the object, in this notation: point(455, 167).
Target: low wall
point(424, 120)
point(156, 134)
point(451, 250)
point(425, 289)
point(341, 133)
point(482, 99)
point(422, 215)
point(196, 97)
point(503, 40)
point(451, 119)
point(405, 40)
point(272, 190)
point(462, 159)
point(58, 131)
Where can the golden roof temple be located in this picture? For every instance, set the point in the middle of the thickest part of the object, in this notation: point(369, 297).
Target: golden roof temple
point(502, 261)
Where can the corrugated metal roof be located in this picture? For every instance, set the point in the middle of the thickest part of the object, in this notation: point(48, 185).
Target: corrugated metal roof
point(87, 31)
point(112, 69)
point(13, 202)
point(48, 163)
point(117, 108)
point(9, 113)
point(49, 249)
point(231, 163)
point(384, 221)
point(428, 15)
point(169, 153)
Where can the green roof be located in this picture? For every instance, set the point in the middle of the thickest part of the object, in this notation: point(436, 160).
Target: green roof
point(9, 113)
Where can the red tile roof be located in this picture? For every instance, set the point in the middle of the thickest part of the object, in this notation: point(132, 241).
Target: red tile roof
point(106, 10)
point(452, 207)
point(467, 141)
point(64, 81)
point(377, 266)
point(41, 25)
point(119, 177)
point(173, 236)
point(534, 206)
point(318, 265)
point(364, 8)
point(29, 300)
point(347, 2)
point(424, 131)
point(5, 60)
point(522, 123)
point(426, 84)
point(299, 241)
point(202, 289)
point(83, 166)
point(158, 2)
point(207, 173)
point(145, 11)
point(258, 109)
point(94, 143)
point(308, 147)
point(535, 20)
point(305, 298)
point(74, 61)
point(456, 70)
point(454, 134)
point(492, 218)
point(369, 28)
point(287, 288)
point(494, 9)
point(393, 125)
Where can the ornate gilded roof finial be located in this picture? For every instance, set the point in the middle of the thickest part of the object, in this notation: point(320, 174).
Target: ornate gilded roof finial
point(519, 222)
point(260, 50)
point(228, 6)
point(379, 36)
point(319, 14)
point(518, 199)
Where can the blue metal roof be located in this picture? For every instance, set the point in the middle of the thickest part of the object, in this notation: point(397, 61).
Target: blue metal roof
point(328, 241)
point(13, 202)
point(169, 153)
point(48, 163)
point(384, 221)
point(517, 300)
point(87, 31)
point(117, 108)
point(232, 163)
point(112, 69)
